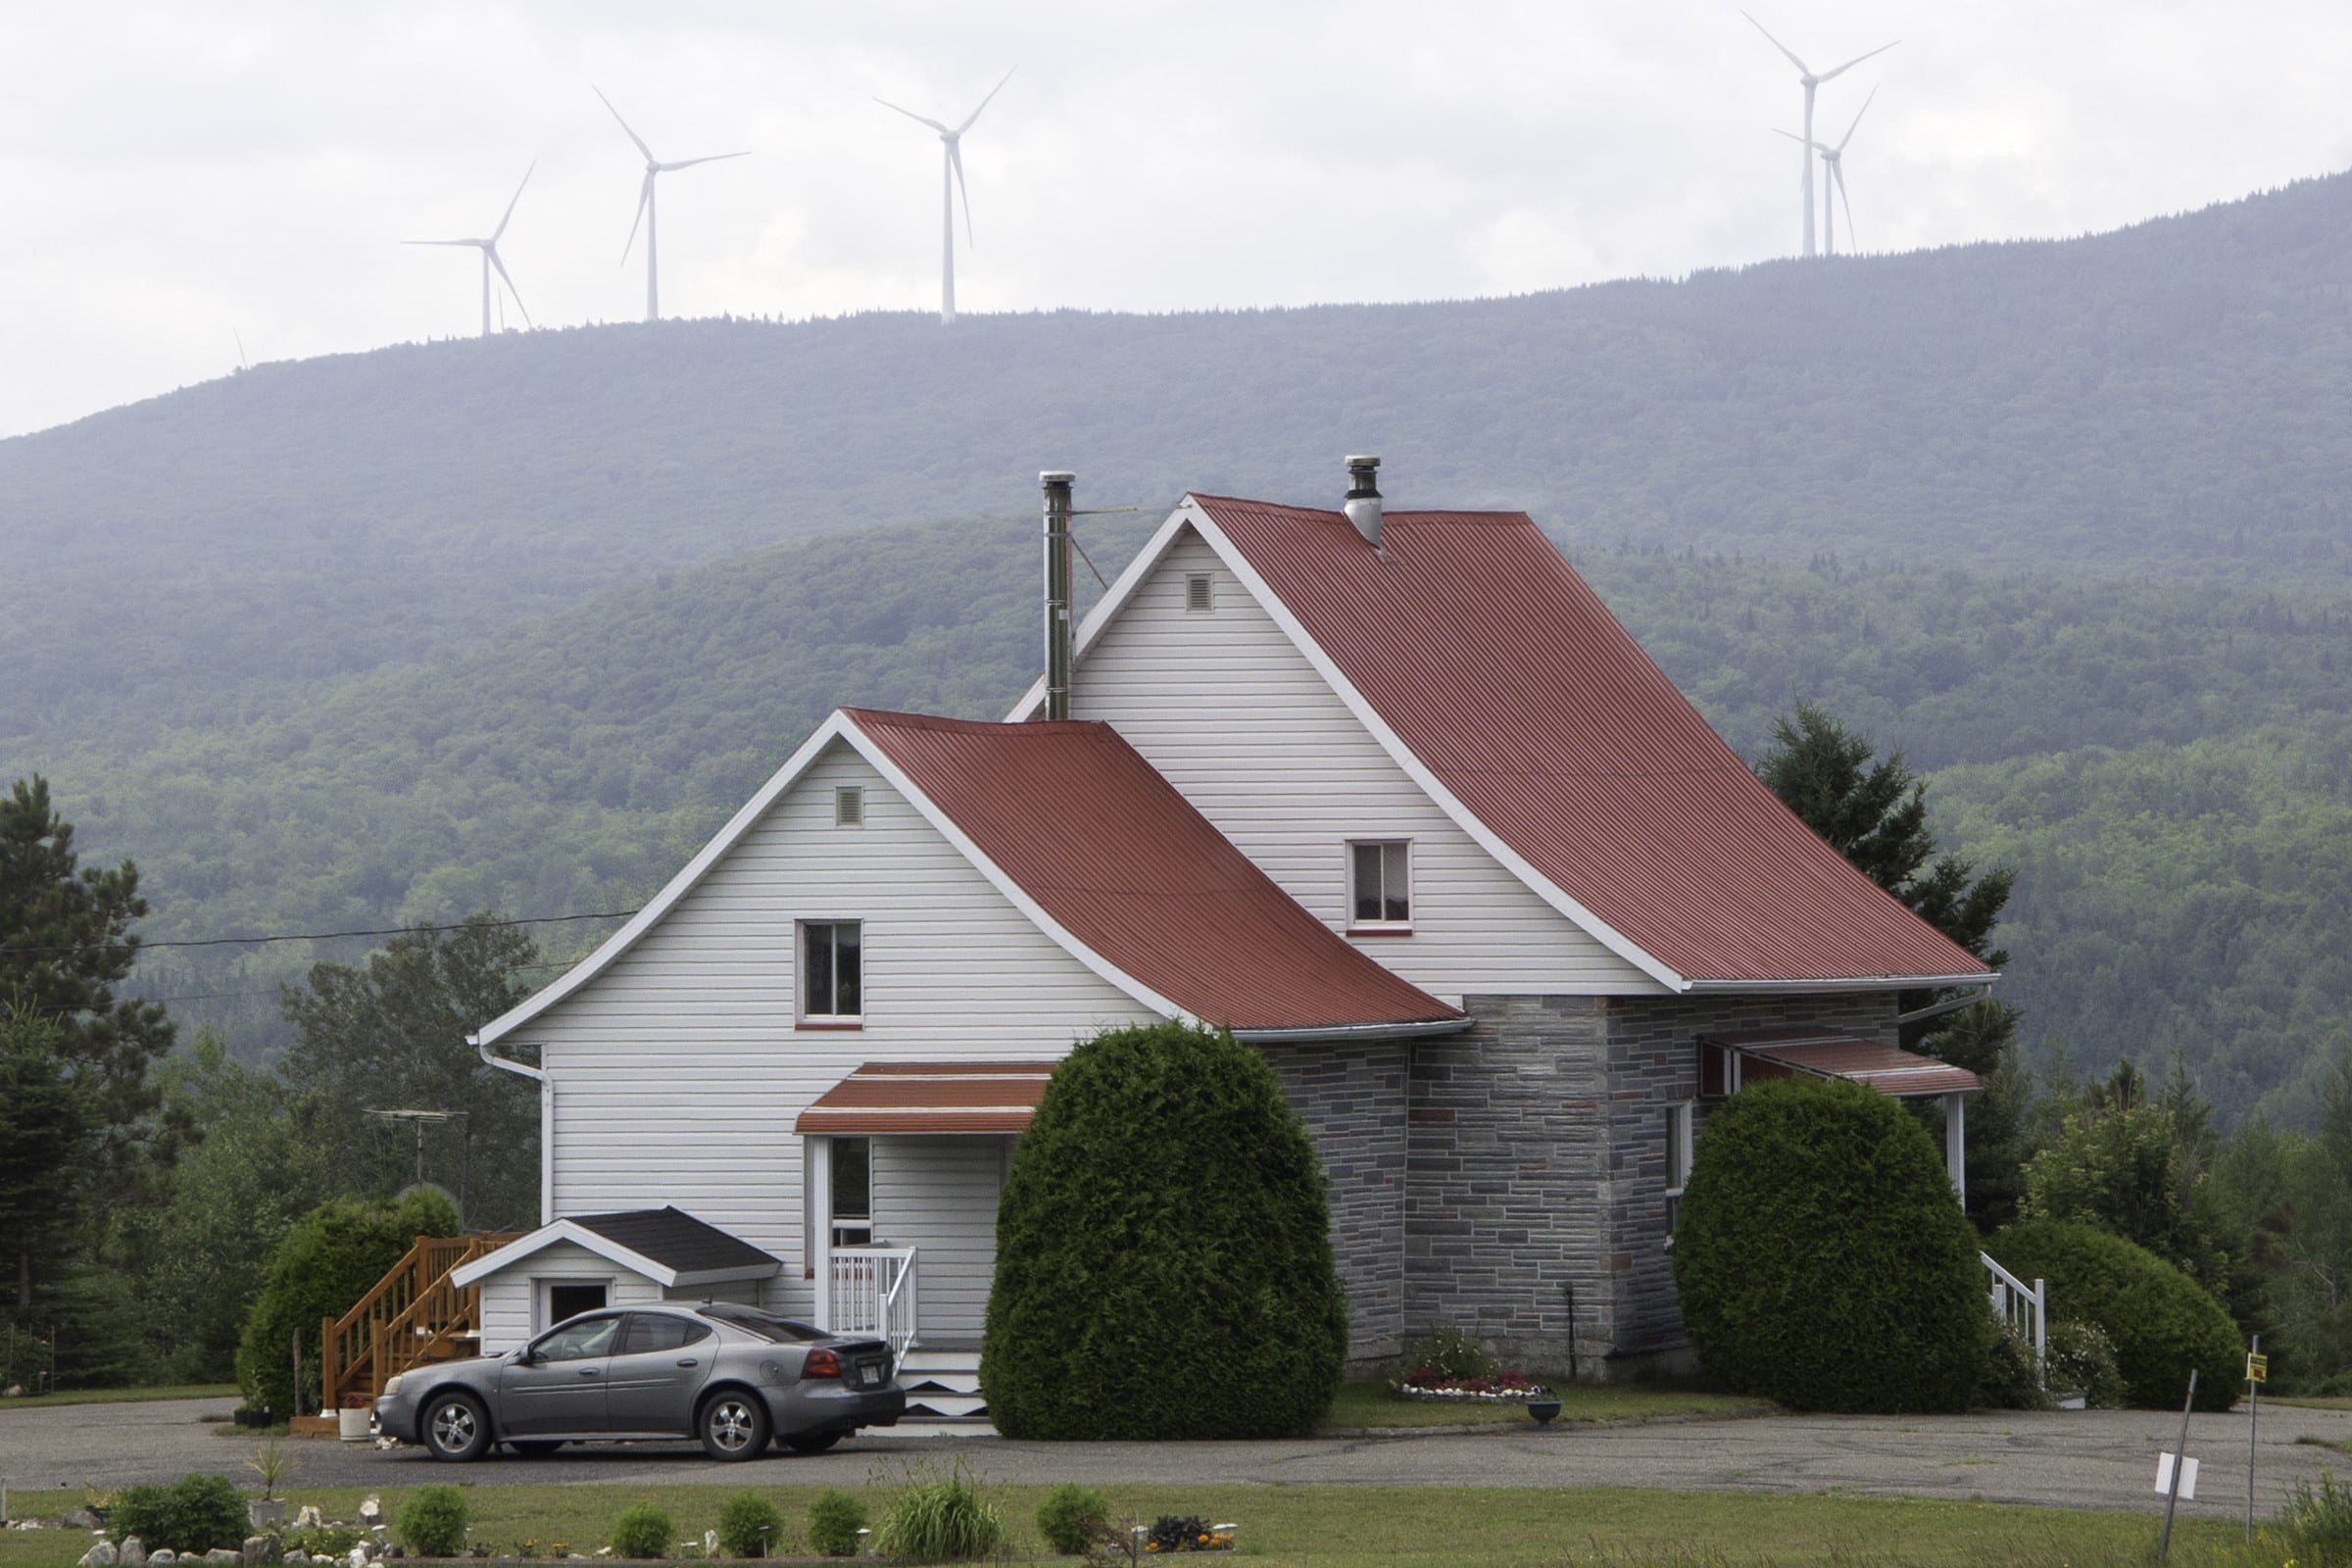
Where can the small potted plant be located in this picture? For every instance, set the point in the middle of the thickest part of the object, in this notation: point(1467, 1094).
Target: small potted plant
point(273, 1462)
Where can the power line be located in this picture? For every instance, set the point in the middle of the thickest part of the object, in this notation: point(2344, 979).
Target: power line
point(241, 995)
point(328, 936)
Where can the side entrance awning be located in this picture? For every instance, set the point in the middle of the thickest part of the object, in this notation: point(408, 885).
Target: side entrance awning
point(1728, 1061)
point(925, 1096)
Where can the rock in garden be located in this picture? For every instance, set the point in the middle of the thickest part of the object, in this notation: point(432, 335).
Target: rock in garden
point(255, 1550)
point(297, 1557)
point(162, 1557)
point(101, 1556)
point(81, 1519)
point(358, 1557)
point(307, 1517)
point(229, 1555)
point(371, 1511)
point(133, 1550)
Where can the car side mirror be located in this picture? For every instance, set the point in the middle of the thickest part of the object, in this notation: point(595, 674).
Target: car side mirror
point(526, 1356)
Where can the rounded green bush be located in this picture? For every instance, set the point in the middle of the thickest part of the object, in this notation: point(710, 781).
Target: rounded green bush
point(2080, 1358)
point(750, 1526)
point(1163, 1251)
point(1820, 1258)
point(642, 1530)
point(1070, 1518)
point(2161, 1321)
point(834, 1520)
point(432, 1522)
point(193, 1514)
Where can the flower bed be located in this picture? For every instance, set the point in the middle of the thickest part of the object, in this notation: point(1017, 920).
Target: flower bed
point(1504, 1386)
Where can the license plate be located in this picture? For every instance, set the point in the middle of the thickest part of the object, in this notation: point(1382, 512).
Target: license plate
point(870, 1375)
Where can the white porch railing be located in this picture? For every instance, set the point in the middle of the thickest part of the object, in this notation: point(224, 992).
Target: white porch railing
point(873, 1292)
point(2020, 1306)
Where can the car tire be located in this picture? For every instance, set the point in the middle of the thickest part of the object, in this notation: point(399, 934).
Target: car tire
point(538, 1449)
point(454, 1427)
point(813, 1441)
point(733, 1425)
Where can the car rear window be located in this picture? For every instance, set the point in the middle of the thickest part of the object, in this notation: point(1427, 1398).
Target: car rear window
point(652, 1331)
point(780, 1330)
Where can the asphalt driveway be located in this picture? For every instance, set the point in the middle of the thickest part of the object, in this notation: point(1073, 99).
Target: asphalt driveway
point(2082, 1459)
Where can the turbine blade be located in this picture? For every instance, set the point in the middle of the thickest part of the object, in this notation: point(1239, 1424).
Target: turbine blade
point(1857, 60)
point(645, 197)
point(1858, 114)
point(955, 161)
point(689, 163)
point(502, 223)
point(1837, 171)
point(992, 92)
point(440, 242)
point(491, 251)
point(921, 119)
point(1801, 67)
point(624, 125)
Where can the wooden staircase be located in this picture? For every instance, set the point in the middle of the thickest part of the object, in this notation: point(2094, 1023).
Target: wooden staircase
point(413, 1315)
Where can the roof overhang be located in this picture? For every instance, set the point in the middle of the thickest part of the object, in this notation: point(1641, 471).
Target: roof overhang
point(1833, 1053)
point(924, 1096)
point(604, 1246)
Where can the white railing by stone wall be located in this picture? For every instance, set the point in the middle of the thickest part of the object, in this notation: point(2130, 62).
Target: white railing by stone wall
point(2020, 1306)
point(873, 1292)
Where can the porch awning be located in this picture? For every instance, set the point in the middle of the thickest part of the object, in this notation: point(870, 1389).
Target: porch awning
point(926, 1097)
point(1830, 1053)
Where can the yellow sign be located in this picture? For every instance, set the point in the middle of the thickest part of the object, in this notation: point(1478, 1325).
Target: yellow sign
point(2257, 1369)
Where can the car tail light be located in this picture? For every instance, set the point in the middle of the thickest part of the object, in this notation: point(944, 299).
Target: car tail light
point(821, 1365)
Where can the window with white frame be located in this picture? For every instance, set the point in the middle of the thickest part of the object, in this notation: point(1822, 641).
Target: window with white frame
point(832, 971)
point(1679, 1123)
point(852, 1187)
point(1380, 891)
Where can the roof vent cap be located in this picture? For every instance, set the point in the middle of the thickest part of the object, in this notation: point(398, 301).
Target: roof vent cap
point(1364, 497)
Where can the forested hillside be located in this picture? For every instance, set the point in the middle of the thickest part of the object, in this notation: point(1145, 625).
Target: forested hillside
point(2175, 396)
point(2165, 766)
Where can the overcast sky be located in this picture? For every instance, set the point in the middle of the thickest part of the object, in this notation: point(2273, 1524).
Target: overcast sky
point(175, 175)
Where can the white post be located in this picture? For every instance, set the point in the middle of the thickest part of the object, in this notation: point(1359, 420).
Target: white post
point(1955, 1144)
point(817, 1163)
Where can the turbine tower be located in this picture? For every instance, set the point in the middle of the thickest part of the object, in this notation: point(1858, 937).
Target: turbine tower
point(1833, 159)
point(654, 167)
point(1809, 80)
point(489, 249)
point(951, 181)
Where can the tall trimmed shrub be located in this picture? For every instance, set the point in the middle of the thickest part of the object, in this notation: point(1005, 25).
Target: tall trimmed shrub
point(1821, 1259)
point(1163, 1251)
point(2162, 1322)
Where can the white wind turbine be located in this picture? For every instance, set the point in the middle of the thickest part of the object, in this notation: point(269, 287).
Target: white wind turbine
point(1809, 80)
point(1833, 159)
point(951, 181)
point(654, 167)
point(489, 249)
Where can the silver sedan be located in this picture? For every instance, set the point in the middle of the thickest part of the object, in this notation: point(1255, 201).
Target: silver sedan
point(729, 1375)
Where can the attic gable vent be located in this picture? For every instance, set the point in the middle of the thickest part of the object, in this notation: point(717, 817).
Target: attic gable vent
point(1200, 591)
point(849, 806)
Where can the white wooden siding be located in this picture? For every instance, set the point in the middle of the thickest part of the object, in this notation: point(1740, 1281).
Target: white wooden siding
point(939, 1195)
point(1233, 714)
point(509, 1296)
point(678, 1071)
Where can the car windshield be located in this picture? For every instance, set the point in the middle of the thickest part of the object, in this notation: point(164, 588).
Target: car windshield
point(576, 1340)
point(781, 1330)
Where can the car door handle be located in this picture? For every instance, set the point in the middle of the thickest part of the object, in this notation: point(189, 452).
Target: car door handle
point(690, 1361)
point(587, 1371)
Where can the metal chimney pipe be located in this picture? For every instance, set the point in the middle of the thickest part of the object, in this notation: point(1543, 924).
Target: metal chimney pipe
point(1364, 497)
point(1057, 483)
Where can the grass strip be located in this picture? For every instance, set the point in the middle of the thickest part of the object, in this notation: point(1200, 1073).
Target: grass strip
point(1373, 1405)
point(176, 1391)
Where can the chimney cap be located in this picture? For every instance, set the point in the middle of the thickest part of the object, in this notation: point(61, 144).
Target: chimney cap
point(1056, 476)
point(1363, 461)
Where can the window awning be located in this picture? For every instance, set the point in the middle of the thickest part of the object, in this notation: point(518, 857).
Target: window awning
point(925, 1097)
point(1763, 1053)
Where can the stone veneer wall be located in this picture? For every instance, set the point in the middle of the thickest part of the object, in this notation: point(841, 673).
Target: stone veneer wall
point(1352, 1099)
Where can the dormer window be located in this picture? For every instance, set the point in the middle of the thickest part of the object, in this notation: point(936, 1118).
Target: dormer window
point(1380, 887)
point(832, 974)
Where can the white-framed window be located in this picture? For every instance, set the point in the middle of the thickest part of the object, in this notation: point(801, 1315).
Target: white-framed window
point(851, 1162)
point(1380, 885)
point(849, 806)
point(1200, 592)
point(832, 971)
point(553, 1300)
point(1680, 1122)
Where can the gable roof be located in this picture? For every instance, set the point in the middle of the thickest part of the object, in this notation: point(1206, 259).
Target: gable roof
point(1120, 821)
point(1497, 678)
point(667, 1245)
point(1109, 850)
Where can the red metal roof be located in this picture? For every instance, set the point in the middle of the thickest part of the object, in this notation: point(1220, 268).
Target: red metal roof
point(1830, 1054)
point(905, 1096)
point(1105, 845)
point(1508, 679)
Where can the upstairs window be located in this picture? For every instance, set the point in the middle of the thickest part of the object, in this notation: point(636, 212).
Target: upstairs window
point(1380, 891)
point(832, 971)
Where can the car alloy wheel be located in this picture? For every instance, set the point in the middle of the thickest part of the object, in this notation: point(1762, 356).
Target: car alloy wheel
point(455, 1428)
point(734, 1426)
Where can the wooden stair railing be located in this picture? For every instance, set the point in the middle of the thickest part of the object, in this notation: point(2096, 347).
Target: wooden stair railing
point(411, 1315)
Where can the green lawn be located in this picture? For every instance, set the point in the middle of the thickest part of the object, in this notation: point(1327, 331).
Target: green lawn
point(1371, 1405)
point(1396, 1527)
point(181, 1391)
